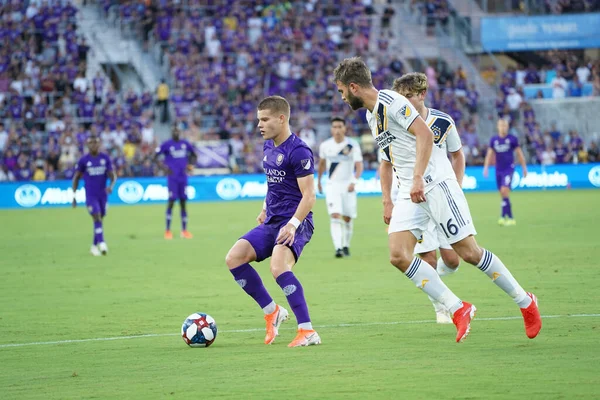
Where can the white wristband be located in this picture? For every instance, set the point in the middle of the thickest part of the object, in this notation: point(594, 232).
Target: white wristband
point(295, 221)
point(265, 205)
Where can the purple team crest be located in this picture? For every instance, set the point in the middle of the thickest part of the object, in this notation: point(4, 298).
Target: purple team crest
point(305, 163)
point(279, 159)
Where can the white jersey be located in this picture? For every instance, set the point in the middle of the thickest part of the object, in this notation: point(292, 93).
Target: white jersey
point(445, 135)
point(341, 158)
point(390, 120)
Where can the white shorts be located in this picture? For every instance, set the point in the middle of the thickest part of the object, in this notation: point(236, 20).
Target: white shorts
point(446, 207)
point(339, 200)
point(433, 239)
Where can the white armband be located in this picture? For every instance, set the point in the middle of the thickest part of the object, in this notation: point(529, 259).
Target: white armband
point(295, 221)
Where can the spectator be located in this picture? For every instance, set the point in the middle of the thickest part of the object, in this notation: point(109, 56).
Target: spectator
point(559, 86)
point(162, 100)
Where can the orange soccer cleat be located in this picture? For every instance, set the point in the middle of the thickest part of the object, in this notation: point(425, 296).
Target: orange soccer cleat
point(168, 235)
point(186, 235)
point(273, 321)
point(305, 337)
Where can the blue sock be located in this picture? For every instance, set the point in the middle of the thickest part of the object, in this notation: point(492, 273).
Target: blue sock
point(98, 232)
point(169, 211)
point(295, 295)
point(250, 281)
point(183, 220)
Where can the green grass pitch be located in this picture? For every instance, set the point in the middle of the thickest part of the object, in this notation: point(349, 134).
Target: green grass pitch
point(77, 327)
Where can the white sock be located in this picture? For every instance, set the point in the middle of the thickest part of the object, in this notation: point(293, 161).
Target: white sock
point(424, 276)
point(348, 230)
point(442, 269)
point(270, 308)
point(336, 232)
point(501, 276)
point(305, 325)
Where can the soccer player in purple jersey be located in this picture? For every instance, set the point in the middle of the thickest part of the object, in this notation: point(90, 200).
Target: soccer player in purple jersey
point(177, 153)
point(503, 146)
point(95, 168)
point(285, 223)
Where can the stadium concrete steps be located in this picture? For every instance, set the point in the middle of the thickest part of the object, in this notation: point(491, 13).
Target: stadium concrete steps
point(112, 47)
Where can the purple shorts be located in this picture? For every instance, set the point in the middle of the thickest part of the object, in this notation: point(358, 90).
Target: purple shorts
point(262, 238)
point(96, 205)
point(504, 178)
point(177, 189)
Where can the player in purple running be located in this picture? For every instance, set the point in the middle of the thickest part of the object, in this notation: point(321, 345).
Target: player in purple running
point(95, 168)
point(285, 223)
point(503, 146)
point(177, 154)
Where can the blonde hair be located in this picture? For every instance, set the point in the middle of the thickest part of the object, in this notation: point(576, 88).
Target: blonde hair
point(411, 84)
point(353, 70)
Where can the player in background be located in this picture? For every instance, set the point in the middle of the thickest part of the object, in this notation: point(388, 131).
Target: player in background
point(414, 87)
point(343, 159)
point(503, 146)
point(428, 191)
point(178, 156)
point(95, 168)
point(285, 223)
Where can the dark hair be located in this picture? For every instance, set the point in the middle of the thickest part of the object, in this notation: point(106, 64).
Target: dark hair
point(275, 104)
point(338, 119)
point(353, 70)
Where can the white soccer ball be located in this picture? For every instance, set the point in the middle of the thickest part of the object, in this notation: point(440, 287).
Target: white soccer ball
point(199, 330)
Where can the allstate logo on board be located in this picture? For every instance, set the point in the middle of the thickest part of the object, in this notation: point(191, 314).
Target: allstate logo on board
point(594, 176)
point(229, 189)
point(28, 195)
point(131, 192)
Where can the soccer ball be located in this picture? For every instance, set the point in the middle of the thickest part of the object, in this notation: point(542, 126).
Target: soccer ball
point(199, 330)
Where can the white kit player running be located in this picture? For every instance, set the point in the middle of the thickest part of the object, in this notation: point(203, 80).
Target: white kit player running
point(342, 158)
point(414, 87)
point(428, 192)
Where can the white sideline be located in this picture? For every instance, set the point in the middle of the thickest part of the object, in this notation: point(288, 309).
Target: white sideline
point(149, 335)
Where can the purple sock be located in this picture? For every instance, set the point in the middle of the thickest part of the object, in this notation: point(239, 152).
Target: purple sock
point(250, 281)
point(169, 211)
point(295, 295)
point(98, 232)
point(183, 220)
point(508, 208)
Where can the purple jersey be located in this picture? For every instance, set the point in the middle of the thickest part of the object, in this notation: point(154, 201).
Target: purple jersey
point(283, 164)
point(176, 154)
point(95, 171)
point(504, 148)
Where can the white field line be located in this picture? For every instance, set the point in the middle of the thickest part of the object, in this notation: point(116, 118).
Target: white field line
point(350, 325)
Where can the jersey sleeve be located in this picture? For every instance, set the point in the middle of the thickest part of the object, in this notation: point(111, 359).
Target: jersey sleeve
point(381, 156)
point(322, 151)
point(515, 143)
point(81, 165)
point(453, 142)
point(356, 152)
point(109, 166)
point(302, 161)
point(191, 149)
point(403, 112)
point(491, 143)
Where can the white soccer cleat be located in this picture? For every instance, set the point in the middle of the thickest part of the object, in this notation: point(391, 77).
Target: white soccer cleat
point(443, 317)
point(94, 250)
point(103, 248)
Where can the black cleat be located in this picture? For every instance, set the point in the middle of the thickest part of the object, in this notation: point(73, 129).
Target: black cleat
point(339, 253)
point(346, 251)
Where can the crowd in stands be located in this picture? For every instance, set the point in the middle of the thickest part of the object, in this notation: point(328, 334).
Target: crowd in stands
point(222, 61)
point(47, 105)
